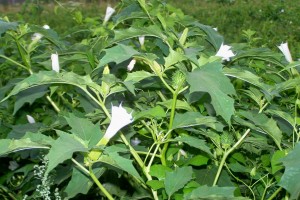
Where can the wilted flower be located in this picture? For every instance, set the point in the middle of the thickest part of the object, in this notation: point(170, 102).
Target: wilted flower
point(225, 52)
point(284, 48)
point(108, 14)
point(119, 119)
point(142, 40)
point(131, 65)
point(30, 119)
point(55, 62)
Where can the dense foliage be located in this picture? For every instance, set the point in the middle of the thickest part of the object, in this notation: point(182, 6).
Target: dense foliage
point(148, 104)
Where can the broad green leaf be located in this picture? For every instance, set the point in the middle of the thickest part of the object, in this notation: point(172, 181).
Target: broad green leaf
point(291, 176)
point(159, 171)
point(213, 37)
point(276, 162)
point(210, 79)
point(29, 96)
point(246, 76)
point(206, 176)
point(84, 129)
point(286, 85)
point(138, 76)
point(118, 54)
point(39, 138)
point(8, 146)
point(173, 58)
point(121, 162)
point(267, 125)
point(52, 77)
point(134, 32)
point(194, 142)
point(156, 184)
point(156, 112)
point(177, 179)
point(212, 193)
point(4, 26)
point(81, 183)
point(189, 119)
point(132, 11)
point(284, 115)
point(197, 160)
point(63, 148)
point(179, 104)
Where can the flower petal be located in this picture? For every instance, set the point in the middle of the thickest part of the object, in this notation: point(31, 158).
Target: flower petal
point(30, 119)
point(131, 65)
point(284, 48)
point(108, 14)
point(225, 52)
point(55, 62)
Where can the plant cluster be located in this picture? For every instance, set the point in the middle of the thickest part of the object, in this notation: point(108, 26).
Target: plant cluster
point(146, 103)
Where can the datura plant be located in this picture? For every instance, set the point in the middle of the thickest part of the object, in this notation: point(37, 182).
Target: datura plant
point(145, 102)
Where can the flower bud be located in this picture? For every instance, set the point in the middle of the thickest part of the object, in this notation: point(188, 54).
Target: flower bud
point(55, 62)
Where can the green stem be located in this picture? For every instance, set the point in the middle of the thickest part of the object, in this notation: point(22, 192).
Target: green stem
point(226, 154)
point(275, 194)
point(56, 108)
point(14, 62)
point(95, 179)
point(82, 168)
point(166, 145)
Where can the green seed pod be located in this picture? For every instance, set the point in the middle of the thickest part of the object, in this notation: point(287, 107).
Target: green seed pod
point(178, 80)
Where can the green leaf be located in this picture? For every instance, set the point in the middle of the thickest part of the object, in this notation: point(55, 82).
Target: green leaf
point(63, 148)
point(156, 112)
point(84, 129)
point(159, 171)
point(205, 192)
point(213, 37)
point(210, 79)
point(246, 76)
point(173, 58)
point(194, 142)
point(189, 119)
point(197, 160)
point(291, 176)
point(118, 54)
point(156, 184)
point(80, 182)
point(276, 163)
point(29, 96)
point(4, 26)
point(265, 124)
point(8, 146)
point(179, 104)
point(52, 77)
point(137, 76)
point(177, 179)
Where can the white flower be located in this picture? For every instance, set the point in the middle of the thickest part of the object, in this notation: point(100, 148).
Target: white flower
point(46, 26)
point(142, 40)
point(30, 119)
point(216, 29)
point(135, 141)
point(38, 36)
point(131, 65)
point(108, 14)
point(225, 52)
point(55, 62)
point(119, 119)
point(284, 48)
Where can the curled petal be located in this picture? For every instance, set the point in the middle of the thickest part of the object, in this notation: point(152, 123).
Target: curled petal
point(55, 62)
point(225, 53)
point(30, 119)
point(131, 65)
point(284, 48)
point(119, 119)
point(108, 14)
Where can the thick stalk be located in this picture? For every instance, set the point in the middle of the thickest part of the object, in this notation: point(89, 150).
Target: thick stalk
point(226, 154)
point(275, 194)
point(95, 179)
point(166, 145)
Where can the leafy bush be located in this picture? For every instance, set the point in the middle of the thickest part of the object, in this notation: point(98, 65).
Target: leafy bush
point(149, 105)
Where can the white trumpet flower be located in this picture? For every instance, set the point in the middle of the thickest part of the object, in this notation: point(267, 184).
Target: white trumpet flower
point(55, 62)
point(30, 119)
point(284, 48)
point(108, 14)
point(38, 36)
point(225, 53)
point(142, 40)
point(119, 119)
point(131, 65)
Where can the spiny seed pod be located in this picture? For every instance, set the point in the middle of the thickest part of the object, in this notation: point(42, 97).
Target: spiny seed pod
point(178, 80)
point(226, 140)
